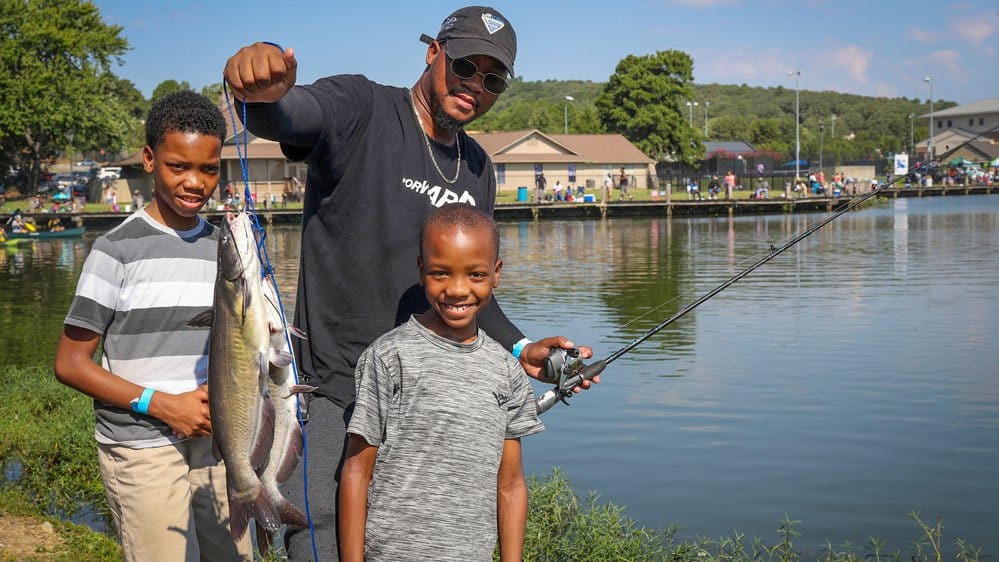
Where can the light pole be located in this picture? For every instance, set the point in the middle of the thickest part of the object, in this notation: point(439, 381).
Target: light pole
point(832, 135)
point(822, 135)
point(797, 133)
point(929, 143)
point(912, 146)
point(69, 155)
point(690, 107)
point(706, 105)
point(565, 111)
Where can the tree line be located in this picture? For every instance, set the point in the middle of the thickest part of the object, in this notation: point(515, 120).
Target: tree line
point(58, 95)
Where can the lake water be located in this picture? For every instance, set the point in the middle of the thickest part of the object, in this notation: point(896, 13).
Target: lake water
point(846, 383)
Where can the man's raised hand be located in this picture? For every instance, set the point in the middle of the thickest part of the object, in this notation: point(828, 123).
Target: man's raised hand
point(261, 73)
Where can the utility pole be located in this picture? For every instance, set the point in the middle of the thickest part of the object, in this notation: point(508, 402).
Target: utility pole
point(797, 125)
point(706, 105)
point(565, 111)
point(929, 143)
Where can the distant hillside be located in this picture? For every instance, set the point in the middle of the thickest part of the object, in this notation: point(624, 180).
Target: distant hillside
point(864, 126)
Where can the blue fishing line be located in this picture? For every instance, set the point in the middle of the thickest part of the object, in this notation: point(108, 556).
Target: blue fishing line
point(267, 270)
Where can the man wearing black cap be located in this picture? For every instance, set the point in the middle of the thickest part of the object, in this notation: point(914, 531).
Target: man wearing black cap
point(380, 159)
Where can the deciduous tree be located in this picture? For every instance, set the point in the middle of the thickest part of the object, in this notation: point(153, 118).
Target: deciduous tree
point(643, 100)
point(169, 87)
point(55, 81)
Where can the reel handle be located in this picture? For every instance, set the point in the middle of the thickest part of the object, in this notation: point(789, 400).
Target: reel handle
point(566, 370)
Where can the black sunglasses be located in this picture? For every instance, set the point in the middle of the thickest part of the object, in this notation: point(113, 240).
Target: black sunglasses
point(466, 70)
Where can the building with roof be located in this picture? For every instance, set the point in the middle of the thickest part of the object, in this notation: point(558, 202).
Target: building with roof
point(518, 156)
point(968, 131)
point(575, 160)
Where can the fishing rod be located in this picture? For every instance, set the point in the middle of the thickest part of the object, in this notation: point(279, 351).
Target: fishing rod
point(565, 367)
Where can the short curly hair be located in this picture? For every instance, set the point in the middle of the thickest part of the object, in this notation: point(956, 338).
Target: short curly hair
point(464, 217)
point(183, 112)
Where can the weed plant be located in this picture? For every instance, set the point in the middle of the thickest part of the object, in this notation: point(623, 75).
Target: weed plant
point(46, 429)
point(47, 435)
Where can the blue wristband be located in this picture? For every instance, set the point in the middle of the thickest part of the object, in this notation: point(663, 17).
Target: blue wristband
point(273, 44)
point(519, 347)
point(141, 404)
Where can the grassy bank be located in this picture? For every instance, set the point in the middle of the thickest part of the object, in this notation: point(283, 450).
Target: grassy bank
point(47, 446)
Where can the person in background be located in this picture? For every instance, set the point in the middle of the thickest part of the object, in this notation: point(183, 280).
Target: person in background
point(622, 182)
point(713, 188)
point(540, 183)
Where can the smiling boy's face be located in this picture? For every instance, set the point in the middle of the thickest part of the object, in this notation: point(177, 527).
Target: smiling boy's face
point(458, 271)
point(185, 168)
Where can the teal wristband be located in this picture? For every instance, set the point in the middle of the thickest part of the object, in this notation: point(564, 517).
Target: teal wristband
point(141, 404)
point(519, 347)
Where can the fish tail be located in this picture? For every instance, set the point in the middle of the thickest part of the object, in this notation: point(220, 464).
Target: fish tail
point(290, 514)
point(261, 509)
point(239, 519)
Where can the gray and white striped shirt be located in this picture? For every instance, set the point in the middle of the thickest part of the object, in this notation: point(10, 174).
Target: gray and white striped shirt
point(140, 285)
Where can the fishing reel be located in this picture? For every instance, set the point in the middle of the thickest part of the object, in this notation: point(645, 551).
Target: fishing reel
point(565, 369)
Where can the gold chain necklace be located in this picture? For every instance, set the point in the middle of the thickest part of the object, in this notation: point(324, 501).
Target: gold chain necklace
point(430, 150)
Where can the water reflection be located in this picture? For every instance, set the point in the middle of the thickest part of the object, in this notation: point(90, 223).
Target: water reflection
point(846, 382)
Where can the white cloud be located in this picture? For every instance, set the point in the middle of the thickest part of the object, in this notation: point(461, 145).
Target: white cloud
point(974, 32)
point(852, 60)
point(947, 60)
point(763, 67)
point(921, 35)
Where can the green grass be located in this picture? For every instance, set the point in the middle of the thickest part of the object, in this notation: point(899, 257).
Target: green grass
point(9, 206)
point(48, 428)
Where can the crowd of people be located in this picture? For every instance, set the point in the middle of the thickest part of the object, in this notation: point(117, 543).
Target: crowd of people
point(560, 192)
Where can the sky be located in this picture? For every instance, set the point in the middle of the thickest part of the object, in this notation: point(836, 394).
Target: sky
point(870, 47)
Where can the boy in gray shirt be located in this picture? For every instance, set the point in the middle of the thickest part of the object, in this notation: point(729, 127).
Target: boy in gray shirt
point(433, 467)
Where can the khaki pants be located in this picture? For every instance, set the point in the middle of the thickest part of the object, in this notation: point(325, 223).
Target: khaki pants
point(170, 503)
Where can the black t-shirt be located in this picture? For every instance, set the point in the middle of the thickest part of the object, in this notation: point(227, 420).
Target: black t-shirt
point(371, 182)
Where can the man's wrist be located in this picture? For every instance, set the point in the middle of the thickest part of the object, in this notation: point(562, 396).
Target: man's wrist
point(518, 347)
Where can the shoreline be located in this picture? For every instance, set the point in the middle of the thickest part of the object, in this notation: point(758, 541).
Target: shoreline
point(616, 209)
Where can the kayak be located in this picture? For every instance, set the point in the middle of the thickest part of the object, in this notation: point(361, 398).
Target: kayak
point(48, 234)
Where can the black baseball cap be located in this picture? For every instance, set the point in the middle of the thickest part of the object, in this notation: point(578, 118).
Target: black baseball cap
point(479, 30)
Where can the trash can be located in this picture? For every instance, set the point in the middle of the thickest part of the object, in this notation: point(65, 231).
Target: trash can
point(522, 194)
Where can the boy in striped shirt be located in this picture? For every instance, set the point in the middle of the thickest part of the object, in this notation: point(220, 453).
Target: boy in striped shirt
point(141, 283)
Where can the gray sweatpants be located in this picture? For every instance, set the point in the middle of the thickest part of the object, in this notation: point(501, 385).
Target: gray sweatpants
point(325, 439)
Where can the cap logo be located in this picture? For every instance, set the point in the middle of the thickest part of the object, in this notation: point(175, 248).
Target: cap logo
point(448, 24)
point(493, 23)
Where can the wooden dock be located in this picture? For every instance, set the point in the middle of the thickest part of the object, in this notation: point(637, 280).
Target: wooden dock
point(617, 209)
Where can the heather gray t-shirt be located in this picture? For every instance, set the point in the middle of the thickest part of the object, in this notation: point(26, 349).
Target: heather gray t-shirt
point(438, 411)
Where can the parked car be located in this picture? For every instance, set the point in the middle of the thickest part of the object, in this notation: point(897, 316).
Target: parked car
point(86, 163)
point(65, 180)
point(112, 172)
